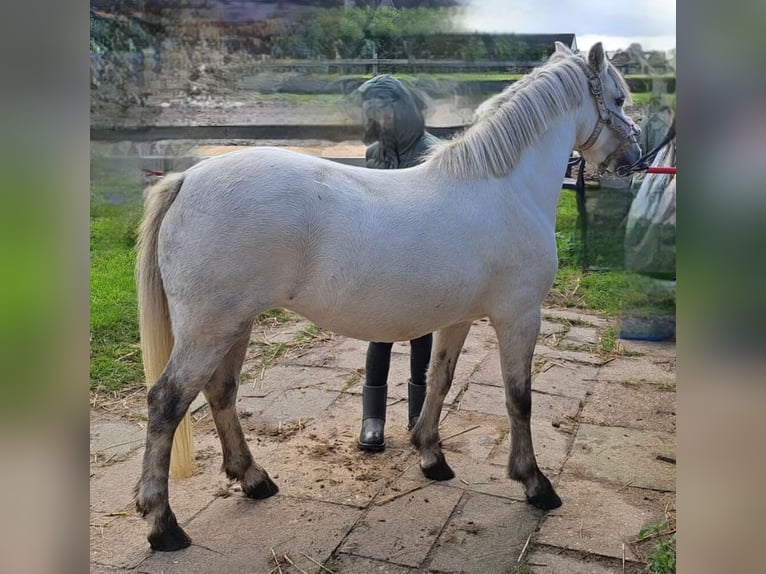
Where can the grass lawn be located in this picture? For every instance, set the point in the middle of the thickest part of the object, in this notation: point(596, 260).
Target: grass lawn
point(115, 358)
point(643, 98)
point(613, 292)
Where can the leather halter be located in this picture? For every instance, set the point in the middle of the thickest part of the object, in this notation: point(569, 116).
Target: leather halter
point(627, 130)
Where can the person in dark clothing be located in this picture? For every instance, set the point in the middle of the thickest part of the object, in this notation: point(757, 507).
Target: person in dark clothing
point(394, 131)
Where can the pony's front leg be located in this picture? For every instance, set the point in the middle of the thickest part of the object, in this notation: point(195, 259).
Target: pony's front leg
point(516, 338)
point(425, 434)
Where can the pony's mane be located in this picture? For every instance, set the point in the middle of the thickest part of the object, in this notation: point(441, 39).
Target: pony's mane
point(506, 124)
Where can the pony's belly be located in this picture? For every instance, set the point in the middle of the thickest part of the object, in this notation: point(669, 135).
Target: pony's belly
point(394, 323)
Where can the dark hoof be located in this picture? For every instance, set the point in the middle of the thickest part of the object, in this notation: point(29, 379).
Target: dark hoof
point(262, 489)
point(439, 471)
point(371, 437)
point(546, 500)
point(170, 538)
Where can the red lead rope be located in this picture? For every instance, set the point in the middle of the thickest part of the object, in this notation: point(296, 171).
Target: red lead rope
point(660, 169)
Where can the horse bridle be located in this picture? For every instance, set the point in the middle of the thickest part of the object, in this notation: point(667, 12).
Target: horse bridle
point(626, 130)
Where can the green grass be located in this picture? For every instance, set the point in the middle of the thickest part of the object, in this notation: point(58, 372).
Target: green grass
point(115, 358)
point(662, 560)
point(614, 292)
point(643, 98)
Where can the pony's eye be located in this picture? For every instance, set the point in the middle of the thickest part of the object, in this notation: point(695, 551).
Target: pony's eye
point(620, 101)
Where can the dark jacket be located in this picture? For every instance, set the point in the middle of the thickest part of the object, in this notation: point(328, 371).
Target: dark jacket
point(394, 124)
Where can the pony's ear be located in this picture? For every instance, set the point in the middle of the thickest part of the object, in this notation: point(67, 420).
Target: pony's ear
point(597, 58)
point(562, 48)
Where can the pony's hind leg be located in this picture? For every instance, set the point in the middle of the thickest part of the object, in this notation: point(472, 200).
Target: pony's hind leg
point(517, 339)
point(425, 434)
point(188, 370)
point(221, 395)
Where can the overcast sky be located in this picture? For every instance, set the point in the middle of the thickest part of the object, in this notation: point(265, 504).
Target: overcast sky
point(616, 23)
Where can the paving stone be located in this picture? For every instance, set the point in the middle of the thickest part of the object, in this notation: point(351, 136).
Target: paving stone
point(119, 542)
point(323, 462)
point(198, 403)
point(279, 378)
point(643, 407)
point(566, 379)
point(544, 352)
point(660, 349)
point(111, 487)
point(118, 537)
point(472, 435)
point(238, 535)
point(115, 439)
point(471, 476)
point(190, 495)
point(624, 456)
point(479, 457)
point(639, 370)
point(487, 371)
point(562, 562)
point(599, 518)
point(554, 408)
point(551, 445)
point(483, 332)
point(341, 352)
point(402, 531)
point(299, 404)
point(485, 478)
point(349, 564)
point(491, 400)
point(548, 328)
point(484, 399)
point(574, 317)
point(581, 336)
point(101, 569)
point(485, 536)
point(557, 376)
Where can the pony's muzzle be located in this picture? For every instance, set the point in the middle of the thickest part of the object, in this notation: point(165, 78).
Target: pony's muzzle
point(622, 160)
point(628, 158)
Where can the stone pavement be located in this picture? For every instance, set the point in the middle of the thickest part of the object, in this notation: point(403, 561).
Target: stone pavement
point(603, 429)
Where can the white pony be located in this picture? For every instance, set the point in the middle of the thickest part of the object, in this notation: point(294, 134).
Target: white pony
point(378, 255)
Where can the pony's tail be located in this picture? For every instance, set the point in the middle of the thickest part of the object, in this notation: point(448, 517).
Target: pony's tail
point(153, 317)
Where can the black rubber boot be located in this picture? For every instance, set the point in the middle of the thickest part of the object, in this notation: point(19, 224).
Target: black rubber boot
point(417, 395)
point(371, 438)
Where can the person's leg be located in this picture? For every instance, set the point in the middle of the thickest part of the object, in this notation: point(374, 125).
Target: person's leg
point(420, 354)
point(374, 394)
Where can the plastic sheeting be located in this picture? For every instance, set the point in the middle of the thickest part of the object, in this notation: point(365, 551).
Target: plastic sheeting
point(650, 234)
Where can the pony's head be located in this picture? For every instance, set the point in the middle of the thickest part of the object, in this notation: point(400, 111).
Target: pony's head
point(391, 113)
point(606, 136)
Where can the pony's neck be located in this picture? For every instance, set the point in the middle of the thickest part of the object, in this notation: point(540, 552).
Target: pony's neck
point(542, 166)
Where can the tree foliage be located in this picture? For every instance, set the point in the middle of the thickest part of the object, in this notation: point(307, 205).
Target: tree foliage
point(353, 32)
